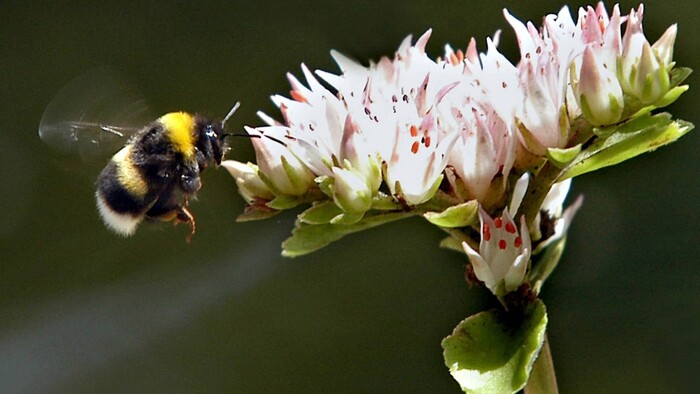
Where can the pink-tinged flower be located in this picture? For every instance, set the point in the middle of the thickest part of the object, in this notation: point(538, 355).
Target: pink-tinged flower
point(482, 109)
point(281, 171)
point(644, 68)
point(504, 249)
point(596, 86)
point(543, 73)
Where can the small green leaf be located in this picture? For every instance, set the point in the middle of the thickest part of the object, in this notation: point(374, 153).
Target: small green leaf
point(307, 238)
point(562, 157)
point(489, 352)
point(347, 218)
point(639, 135)
point(462, 215)
point(320, 213)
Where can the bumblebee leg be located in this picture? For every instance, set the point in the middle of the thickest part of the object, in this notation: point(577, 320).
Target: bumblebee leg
point(184, 215)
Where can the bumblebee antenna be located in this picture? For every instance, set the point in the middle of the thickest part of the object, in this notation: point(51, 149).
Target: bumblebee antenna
point(230, 113)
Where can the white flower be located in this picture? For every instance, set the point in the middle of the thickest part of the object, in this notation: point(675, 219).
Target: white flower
point(504, 250)
point(553, 205)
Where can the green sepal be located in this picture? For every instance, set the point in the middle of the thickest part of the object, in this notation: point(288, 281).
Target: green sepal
point(283, 202)
point(671, 96)
point(544, 264)
point(452, 243)
point(492, 352)
point(562, 157)
point(679, 75)
point(324, 183)
point(252, 214)
point(639, 135)
point(385, 202)
point(308, 238)
point(462, 215)
point(320, 213)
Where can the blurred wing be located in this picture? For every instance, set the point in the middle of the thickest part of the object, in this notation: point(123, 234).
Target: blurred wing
point(93, 115)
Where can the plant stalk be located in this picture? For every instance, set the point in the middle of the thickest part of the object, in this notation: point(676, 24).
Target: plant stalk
point(543, 379)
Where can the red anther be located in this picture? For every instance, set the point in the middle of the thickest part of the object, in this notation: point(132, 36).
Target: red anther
point(518, 242)
point(502, 244)
point(427, 142)
point(414, 131)
point(510, 227)
point(414, 147)
point(498, 222)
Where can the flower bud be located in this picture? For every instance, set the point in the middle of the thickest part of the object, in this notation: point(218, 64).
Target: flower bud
point(598, 92)
point(350, 191)
point(250, 186)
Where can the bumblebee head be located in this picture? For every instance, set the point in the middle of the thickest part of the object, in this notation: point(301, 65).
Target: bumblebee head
point(211, 143)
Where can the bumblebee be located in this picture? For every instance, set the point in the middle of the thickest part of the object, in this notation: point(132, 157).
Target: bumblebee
point(158, 170)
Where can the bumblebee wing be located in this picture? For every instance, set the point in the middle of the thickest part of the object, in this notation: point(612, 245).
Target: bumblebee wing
point(85, 138)
point(94, 114)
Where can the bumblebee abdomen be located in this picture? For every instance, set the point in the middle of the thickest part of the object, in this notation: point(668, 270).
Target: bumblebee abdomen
point(122, 193)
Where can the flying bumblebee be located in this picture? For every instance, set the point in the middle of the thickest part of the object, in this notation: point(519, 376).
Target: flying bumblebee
point(155, 174)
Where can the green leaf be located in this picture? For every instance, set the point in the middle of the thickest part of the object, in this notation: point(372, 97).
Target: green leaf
point(307, 238)
point(562, 157)
point(632, 138)
point(320, 213)
point(461, 215)
point(490, 352)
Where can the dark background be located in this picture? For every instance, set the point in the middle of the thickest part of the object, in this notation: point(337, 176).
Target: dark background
point(82, 310)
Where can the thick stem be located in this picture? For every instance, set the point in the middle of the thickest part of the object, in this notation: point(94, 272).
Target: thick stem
point(537, 191)
point(543, 379)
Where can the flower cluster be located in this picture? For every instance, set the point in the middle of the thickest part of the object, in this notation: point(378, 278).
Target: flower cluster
point(403, 133)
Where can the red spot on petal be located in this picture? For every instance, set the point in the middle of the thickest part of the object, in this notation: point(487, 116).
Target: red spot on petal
point(510, 227)
point(414, 131)
point(296, 95)
point(486, 231)
point(502, 244)
point(518, 242)
point(498, 222)
point(414, 147)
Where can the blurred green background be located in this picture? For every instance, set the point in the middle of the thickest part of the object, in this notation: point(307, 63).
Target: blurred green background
point(82, 310)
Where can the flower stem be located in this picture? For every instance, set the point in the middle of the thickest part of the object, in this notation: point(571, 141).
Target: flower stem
point(543, 379)
point(537, 191)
